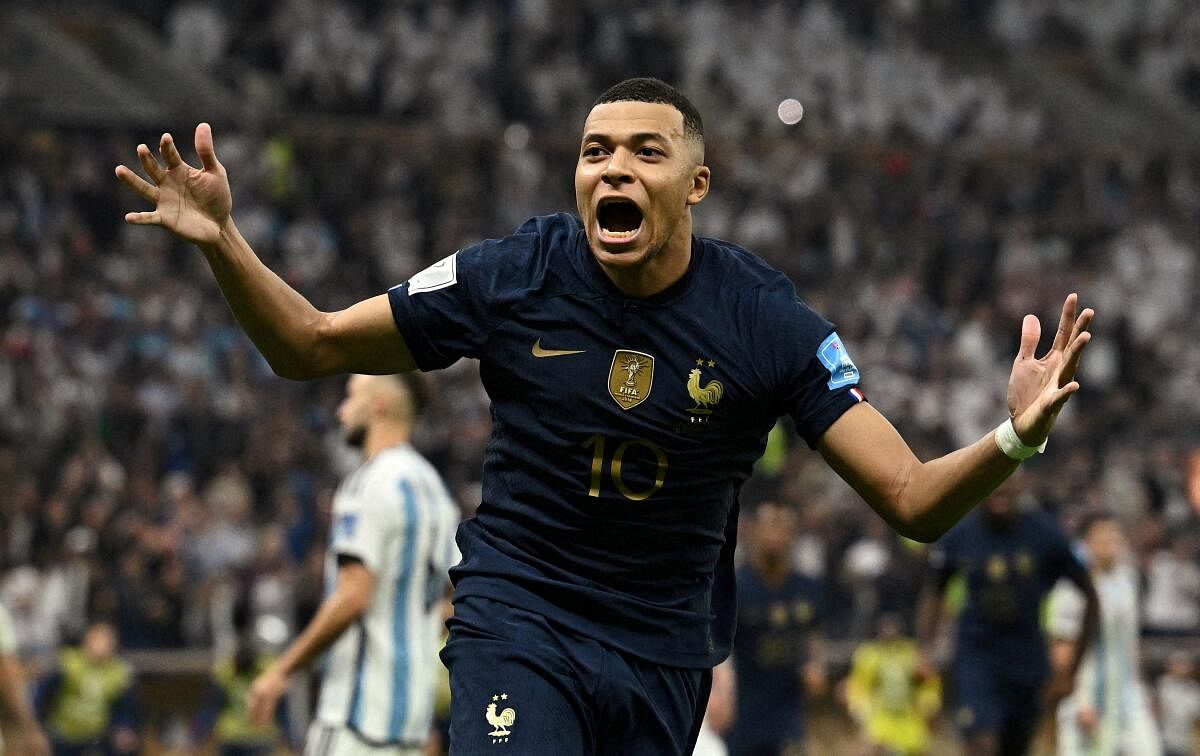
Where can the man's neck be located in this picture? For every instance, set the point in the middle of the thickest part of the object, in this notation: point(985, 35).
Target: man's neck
point(659, 271)
point(384, 436)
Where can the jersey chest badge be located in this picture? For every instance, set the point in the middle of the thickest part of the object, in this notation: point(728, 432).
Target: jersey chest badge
point(705, 395)
point(630, 378)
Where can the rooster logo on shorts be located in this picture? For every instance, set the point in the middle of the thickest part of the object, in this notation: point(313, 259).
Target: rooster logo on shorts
point(501, 722)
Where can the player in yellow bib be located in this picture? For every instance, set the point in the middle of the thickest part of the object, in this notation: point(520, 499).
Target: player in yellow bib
point(892, 692)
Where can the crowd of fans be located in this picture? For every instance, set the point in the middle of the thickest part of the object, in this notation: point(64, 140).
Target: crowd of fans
point(1157, 41)
point(472, 67)
point(155, 472)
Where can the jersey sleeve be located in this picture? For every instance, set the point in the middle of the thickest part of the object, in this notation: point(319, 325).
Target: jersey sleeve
point(815, 378)
point(1063, 560)
point(361, 524)
point(1064, 612)
point(447, 311)
point(8, 634)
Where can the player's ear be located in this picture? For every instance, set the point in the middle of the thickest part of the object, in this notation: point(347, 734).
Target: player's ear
point(699, 188)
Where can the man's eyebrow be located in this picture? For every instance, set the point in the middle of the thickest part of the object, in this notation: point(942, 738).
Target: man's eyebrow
point(641, 136)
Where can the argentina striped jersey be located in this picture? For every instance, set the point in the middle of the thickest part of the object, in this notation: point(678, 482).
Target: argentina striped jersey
point(395, 515)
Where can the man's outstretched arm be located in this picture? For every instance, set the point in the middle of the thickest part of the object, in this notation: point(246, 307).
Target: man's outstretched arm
point(342, 608)
point(922, 500)
point(298, 340)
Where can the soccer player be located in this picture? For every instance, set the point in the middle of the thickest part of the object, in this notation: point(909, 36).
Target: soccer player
point(391, 544)
point(1010, 561)
point(634, 372)
point(777, 648)
point(21, 732)
point(1108, 712)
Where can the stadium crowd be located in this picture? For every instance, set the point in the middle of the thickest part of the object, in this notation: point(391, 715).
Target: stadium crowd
point(156, 473)
point(1156, 42)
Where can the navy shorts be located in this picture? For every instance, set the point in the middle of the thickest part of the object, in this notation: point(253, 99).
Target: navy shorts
point(521, 685)
point(991, 701)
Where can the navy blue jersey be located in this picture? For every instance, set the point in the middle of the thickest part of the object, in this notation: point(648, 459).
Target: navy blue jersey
point(775, 626)
point(622, 429)
point(1008, 573)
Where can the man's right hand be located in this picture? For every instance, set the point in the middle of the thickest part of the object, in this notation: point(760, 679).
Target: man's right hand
point(193, 203)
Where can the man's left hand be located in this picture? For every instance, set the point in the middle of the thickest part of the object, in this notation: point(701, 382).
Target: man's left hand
point(1039, 387)
point(264, 695)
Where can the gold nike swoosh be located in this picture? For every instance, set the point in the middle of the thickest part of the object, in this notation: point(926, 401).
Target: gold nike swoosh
point(538, 351)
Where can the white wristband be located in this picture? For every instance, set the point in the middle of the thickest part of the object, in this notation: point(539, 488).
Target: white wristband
point(1012, 445)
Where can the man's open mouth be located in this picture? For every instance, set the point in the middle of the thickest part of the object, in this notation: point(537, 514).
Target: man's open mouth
point(620, 220)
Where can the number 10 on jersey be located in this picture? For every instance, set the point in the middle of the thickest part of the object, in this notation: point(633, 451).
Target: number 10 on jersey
point(598, 444)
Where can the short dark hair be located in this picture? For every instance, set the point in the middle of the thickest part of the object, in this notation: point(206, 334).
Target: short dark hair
point(649, 89)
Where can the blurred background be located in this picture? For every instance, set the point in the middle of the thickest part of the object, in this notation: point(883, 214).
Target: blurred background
point(959, 164)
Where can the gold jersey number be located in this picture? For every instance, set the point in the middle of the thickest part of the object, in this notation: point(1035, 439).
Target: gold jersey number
point(598, 443)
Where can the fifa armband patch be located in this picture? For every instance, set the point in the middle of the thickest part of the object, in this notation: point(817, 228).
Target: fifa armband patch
point(440, 275)
point(344, 526)
point(835, 358)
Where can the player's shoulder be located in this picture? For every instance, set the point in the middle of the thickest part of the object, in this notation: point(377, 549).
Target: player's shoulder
point(805, 585)
point(1044, 525)
point(402, 471)
point(520, 264)
point(764, 293)
point(738, 269)
point(392, 465)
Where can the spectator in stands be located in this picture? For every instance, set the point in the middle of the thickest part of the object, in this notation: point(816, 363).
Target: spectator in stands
point(1172, 602)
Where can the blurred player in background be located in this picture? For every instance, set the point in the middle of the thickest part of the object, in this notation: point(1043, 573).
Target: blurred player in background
point(634, 372)
point(21, 734)
point(1108, 713)
point(778, 648)
point(390, 548)
point(1010, 560)
point(89, 702)
point(225, 715)
point(1178, 695)
point(719, 716)
point(893, 692)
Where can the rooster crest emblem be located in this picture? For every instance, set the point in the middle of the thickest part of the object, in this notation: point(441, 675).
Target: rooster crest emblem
point(501, 721)
point(705, 395)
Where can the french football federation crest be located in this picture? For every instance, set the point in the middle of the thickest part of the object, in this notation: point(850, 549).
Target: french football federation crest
point(703, 396)
point(501, 721)
point(630, 377)
point(997, 567)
